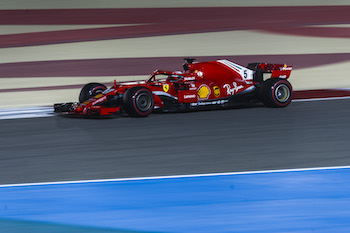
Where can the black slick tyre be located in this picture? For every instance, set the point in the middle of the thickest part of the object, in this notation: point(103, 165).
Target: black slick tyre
point(138, 102)
point(90, 90)
point(276, 92)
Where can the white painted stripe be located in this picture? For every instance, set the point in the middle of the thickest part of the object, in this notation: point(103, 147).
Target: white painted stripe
point(226, 63)
point(331, 25)
point(30, 112)
point(230, 63)
point(35, 82)
point(34, 112)
point(17, 29)
point(176, 176)
point(322, 99)
point(244, 72)
point(164, 94)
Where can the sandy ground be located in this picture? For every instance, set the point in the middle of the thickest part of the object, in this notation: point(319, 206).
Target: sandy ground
point(201, 44)
point(243, 42)
point(17, 29)
point(198, 44)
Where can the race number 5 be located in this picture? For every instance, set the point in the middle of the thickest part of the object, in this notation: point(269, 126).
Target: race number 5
point(245, 74)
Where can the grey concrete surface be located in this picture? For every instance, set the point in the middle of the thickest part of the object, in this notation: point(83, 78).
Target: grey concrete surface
point(305, 134)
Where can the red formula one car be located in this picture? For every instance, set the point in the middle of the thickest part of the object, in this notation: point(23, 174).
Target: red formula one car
point(219, 83)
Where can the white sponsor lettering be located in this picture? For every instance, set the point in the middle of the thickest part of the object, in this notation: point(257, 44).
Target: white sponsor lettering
point(215, 102)
point(189, 96)
point(190, 78)
point(232, 90)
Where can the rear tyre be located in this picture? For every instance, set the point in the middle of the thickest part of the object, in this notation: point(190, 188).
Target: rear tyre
point(90, 90)
point(138, 102)
point(276, 92)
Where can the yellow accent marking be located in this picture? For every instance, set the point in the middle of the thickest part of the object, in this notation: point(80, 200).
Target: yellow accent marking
point(216, 91)
point(97, 96)
point(166, 87)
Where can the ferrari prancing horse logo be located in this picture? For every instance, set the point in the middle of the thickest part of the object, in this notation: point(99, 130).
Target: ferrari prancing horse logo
point(166, 87)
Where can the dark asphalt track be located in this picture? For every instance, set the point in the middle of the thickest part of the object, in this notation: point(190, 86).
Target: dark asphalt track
point(305, 134)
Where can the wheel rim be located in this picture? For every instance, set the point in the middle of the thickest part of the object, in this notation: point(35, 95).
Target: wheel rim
point(282, 93)
point(143, 102)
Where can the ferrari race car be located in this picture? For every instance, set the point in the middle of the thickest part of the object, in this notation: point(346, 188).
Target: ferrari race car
point(219, 83)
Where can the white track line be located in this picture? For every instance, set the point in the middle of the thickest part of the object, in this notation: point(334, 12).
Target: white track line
point(175, 176)
point(34, 112)
point(322, 99)
point(29, 112)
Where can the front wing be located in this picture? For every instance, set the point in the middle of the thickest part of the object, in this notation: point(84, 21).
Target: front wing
point(74, 108)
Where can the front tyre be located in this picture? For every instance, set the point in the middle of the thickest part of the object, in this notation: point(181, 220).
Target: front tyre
point(138, 102)
point(91, 90)
point(276, 92)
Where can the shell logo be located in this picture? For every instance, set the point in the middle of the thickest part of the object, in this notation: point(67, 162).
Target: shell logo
point(203, 92)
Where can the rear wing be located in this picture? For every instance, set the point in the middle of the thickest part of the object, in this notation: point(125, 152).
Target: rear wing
point(276, 70)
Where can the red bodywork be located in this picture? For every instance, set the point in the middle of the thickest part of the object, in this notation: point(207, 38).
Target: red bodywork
point(202, 83)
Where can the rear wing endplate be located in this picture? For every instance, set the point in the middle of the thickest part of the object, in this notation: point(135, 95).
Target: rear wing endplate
point(276, 70)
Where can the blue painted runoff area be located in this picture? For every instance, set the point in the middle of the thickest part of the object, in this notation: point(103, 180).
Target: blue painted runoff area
point(282, 201)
